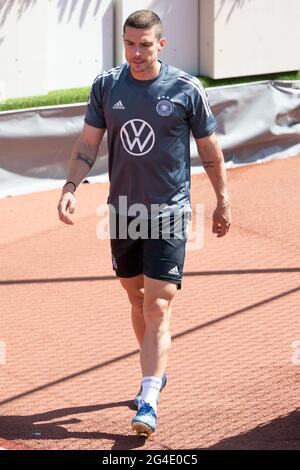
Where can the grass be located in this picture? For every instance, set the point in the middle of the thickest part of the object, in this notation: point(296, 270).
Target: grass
point(56, 97)
point(210, 82)
point(80, 95)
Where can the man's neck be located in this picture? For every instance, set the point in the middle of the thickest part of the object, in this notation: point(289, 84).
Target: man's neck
point(149, 74)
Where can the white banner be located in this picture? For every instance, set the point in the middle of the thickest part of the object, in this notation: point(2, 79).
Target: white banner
point(256, 122)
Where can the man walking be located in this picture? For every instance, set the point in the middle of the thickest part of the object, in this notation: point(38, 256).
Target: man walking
point(148, 109)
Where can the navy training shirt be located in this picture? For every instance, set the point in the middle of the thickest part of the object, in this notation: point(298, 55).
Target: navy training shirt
point(148, 126)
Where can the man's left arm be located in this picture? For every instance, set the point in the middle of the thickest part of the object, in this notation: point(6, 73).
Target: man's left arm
point(212, 159)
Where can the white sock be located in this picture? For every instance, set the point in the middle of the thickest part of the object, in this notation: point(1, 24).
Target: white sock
point(150, 390)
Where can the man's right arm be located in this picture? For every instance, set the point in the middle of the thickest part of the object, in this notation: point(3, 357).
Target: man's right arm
point(82, 159)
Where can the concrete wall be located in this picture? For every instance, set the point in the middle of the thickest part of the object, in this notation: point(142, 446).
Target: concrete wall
point(248, 37)
point(57, 44)
point(80, 41)
point(23, 47)
point(53, 44)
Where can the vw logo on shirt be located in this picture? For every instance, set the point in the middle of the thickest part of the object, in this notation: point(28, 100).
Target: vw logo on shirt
point(137, 137)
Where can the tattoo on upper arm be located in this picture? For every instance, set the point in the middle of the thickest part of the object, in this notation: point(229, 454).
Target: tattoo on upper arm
point(85, 159)
point(208, 164)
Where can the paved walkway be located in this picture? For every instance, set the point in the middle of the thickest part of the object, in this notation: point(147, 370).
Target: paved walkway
point(72, 363)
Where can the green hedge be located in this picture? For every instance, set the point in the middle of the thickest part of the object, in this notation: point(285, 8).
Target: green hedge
point(80, 95)
point(56, 97)
point(209, 82)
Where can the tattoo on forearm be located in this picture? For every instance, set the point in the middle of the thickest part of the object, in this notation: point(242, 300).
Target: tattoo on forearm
point(208, 164)
point(85, 159)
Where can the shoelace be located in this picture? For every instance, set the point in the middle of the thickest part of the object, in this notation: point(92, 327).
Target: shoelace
point(145, 409)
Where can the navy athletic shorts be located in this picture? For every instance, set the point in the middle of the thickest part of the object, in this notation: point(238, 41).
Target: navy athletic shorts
point(154, 248)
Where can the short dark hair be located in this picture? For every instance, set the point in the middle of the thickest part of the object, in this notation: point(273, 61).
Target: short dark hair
point(144, 19)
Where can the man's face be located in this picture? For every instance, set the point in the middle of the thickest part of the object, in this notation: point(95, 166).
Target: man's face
point(141, 48)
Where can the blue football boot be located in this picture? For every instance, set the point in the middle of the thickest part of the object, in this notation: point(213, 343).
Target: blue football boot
point(145, 421)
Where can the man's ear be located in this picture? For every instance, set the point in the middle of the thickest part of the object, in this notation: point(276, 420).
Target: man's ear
point(162, 43)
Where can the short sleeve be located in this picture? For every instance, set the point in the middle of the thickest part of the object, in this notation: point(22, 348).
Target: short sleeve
point(94, 115)
point(200, 117)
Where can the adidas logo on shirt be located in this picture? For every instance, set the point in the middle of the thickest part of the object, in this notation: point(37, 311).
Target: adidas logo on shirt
point(174, 271)
point(119, 105)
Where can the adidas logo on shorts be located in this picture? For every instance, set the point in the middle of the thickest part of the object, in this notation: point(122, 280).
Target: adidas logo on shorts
point(119, 105)
point(174, 271)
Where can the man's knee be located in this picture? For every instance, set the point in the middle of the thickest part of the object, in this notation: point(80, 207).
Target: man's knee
point(136, 299)
point(157, 303)
point(135, 292)
point(156, 312)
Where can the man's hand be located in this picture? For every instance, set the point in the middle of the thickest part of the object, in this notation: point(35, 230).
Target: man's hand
point(66, 204)
point(221, 220)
